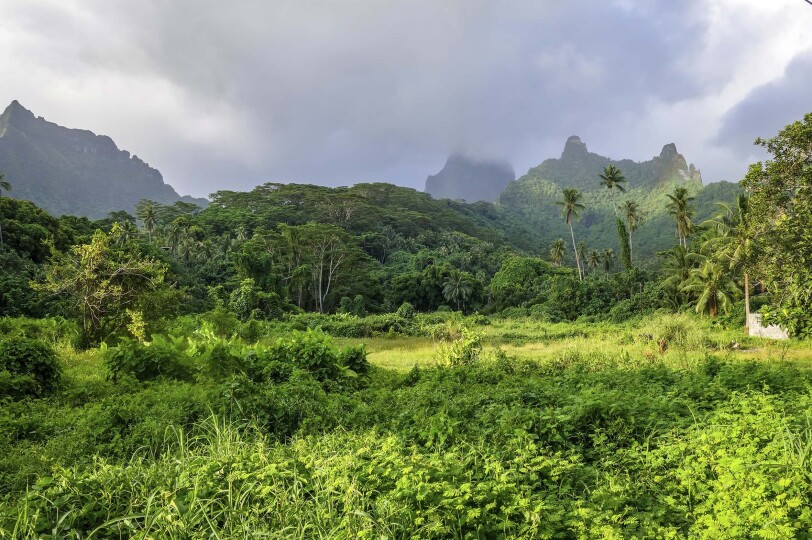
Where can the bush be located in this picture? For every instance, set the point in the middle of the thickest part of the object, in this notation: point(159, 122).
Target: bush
point(145, 361)
point(311, 351)
point(354, 358)
point(28, 367)
point(462, 351)
point(406, 311)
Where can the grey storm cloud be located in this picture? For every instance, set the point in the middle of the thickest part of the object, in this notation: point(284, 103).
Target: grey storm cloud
point(225, 95)
point(768, 108)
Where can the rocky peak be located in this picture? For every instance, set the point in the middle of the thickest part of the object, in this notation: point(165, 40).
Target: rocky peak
point(669, 150)
point(15, 115)
point(574, 148)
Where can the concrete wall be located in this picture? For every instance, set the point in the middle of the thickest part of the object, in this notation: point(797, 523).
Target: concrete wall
point(772, 331)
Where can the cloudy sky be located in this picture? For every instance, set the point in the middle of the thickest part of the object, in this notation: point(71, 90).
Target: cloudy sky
point(226, 95)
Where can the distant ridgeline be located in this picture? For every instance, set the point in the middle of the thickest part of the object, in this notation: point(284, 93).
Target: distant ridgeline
point(463, 178)
point(73, 171)
point(535, 194)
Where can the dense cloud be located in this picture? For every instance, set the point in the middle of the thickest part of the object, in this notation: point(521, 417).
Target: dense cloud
point(227, 95)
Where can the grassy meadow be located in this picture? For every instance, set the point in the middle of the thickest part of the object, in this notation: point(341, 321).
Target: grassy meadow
point(432, 426)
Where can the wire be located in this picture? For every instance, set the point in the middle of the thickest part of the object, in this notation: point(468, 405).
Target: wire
point(809, 2)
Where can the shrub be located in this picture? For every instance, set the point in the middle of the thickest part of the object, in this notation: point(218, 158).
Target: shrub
point(28, 367)
point(406, 311)
point(145, 361)
point(310, 351)
point(354, 358)
point(462, 351)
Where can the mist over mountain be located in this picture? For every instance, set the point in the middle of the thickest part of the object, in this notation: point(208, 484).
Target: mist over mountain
point(473, 180)
point(74, 171)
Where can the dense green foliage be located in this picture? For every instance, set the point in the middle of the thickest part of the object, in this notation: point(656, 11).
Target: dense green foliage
point(284, 442)
point(778, 234)
point(28, 367)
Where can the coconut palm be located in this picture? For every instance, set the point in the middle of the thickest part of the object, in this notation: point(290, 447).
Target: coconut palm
point(631, 211)
point(458, 287)
point(728, 243)
point(593, 259)
point(713, 286)
point(4, 185)
point(608, 259)
point(679, 206)
point(677, 264)
point(612, 178)
point(570, 206)
point(582, 251)
point(147, 212)
point(558, 251)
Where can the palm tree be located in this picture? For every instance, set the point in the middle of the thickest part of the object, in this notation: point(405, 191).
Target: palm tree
point(147, 212)
point(569, 210)
point(728, 242)
point(608, 259)
point(679, 206)
point(4, 186)
point(612, 178)
point(174, 234)
point(633, 216)
point(582, 249)
point(457, 287)
point(593, 260)
point(714, 288)
point(676, 269)
point(557, 251)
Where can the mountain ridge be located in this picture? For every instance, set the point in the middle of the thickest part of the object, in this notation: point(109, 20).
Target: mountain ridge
point(74, 171)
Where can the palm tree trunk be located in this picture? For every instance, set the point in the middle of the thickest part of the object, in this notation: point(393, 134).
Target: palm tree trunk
point(575, 249)
point(631, 253)
point(747, 303)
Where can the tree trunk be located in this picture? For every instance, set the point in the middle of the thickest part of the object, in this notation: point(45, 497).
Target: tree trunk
point(747, 303)
point(575, 249)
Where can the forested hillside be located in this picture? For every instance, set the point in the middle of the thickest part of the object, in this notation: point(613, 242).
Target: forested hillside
point(536, 195)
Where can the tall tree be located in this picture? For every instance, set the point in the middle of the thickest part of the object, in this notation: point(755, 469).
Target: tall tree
point(582, 251)
point(608, 259)
point(680, 208)
point(558, 250)
point(633, 216)
point(727, 242)
point(147, 211)
point(570, 206)
point(593, 259)
point(4, 186)
point(458, 288)
point(780, 207)
point(612, 178)
point(713, 287)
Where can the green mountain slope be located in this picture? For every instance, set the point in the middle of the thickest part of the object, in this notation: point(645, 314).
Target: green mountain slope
point(535, 194)
point(72, 171)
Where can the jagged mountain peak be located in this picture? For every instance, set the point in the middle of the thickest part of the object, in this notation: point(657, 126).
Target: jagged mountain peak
point(668, 150)
point(574, 147)
point(579, 168)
